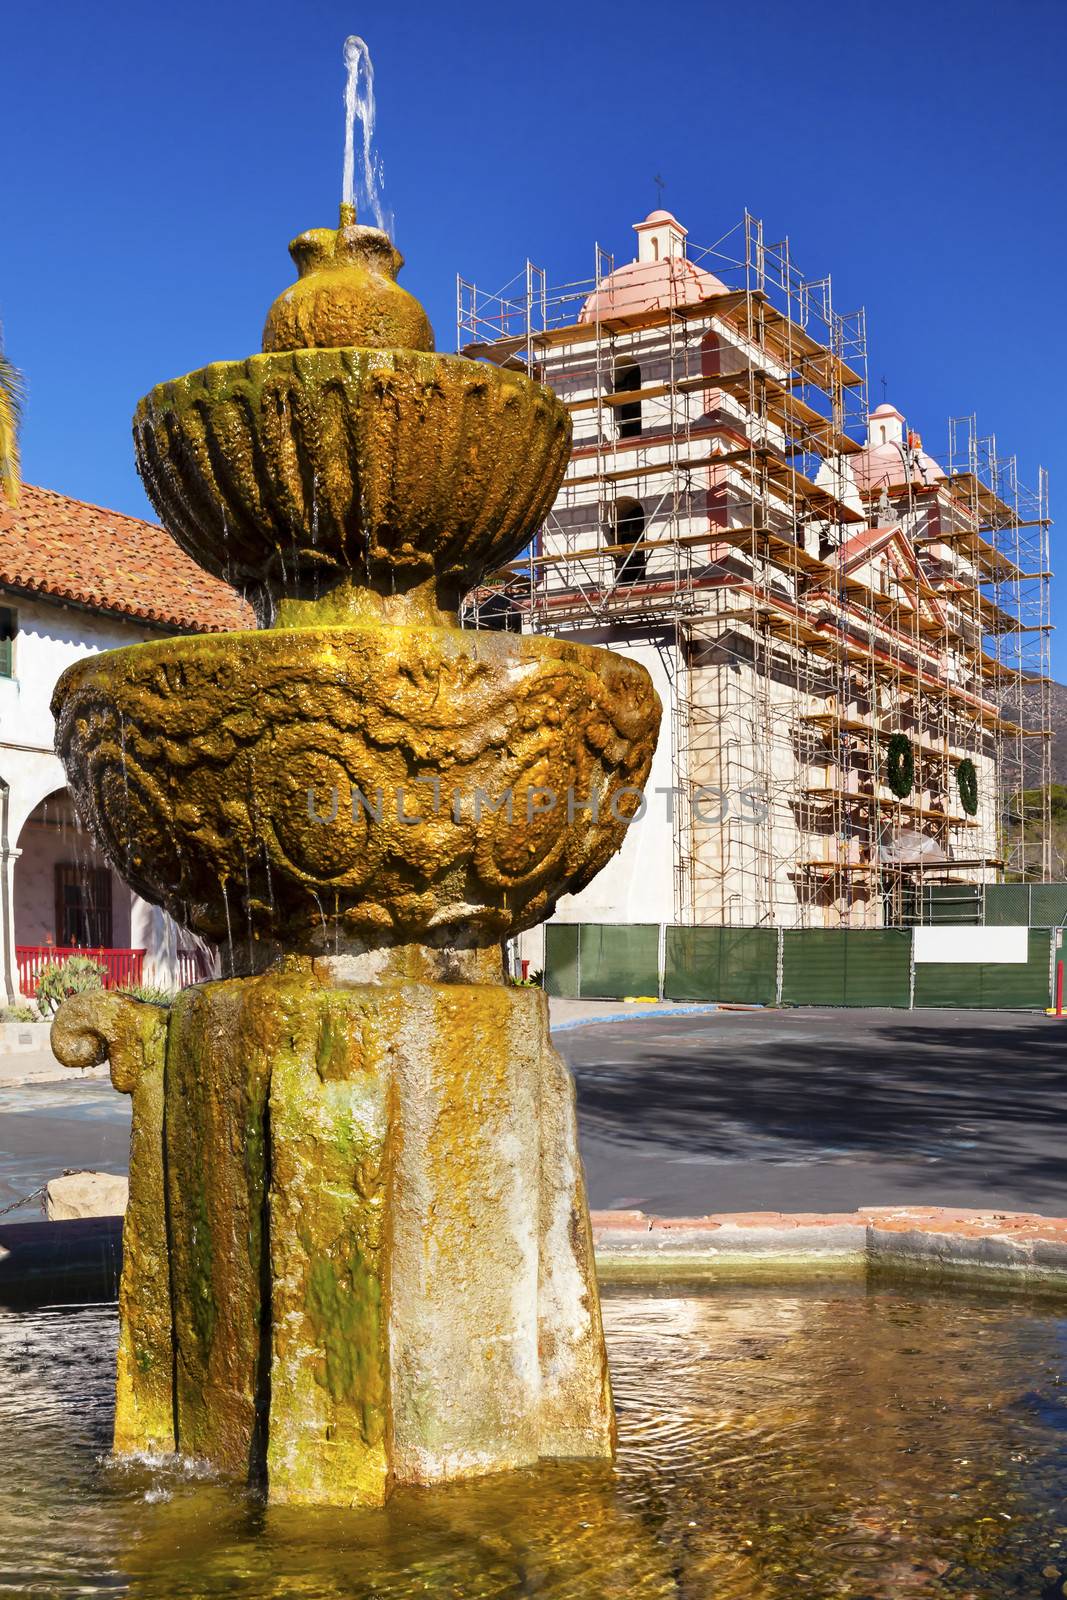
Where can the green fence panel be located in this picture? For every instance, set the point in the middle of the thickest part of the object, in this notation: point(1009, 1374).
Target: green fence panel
point(1007, 905)
point(749, 972)
point(878, 967)
point(1048, 905)
point(989, 985)
point(943, 983)
point(1008, 987)
point(618, 959)
point(561, 959)
point(733, 964)
point(846, 967)
point(959, 903)
point(813, 967)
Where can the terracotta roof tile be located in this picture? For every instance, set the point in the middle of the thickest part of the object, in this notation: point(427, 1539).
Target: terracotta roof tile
point(69, 550)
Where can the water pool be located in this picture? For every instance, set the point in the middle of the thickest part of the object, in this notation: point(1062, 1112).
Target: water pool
point(826, 1439)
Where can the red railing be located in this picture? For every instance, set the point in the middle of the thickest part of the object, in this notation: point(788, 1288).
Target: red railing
point(121, 967)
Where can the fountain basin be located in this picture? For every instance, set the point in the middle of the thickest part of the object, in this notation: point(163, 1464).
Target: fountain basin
point(302, 782)
point(293, 471)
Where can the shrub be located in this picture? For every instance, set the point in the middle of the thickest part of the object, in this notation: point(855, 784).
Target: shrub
point(60, 979)
point(18, 1014)
point(534, 981)
point(152, 994)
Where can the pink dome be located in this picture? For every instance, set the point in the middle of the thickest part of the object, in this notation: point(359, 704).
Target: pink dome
point(651, 286)
point(878, 464)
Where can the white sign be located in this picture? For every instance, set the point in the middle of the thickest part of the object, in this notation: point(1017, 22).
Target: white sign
point(971, 944)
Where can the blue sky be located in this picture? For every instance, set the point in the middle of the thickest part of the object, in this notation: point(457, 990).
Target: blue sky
point(158, 160)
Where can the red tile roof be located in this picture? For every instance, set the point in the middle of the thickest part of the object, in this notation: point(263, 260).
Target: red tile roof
point(68, 550)
point(864, 543)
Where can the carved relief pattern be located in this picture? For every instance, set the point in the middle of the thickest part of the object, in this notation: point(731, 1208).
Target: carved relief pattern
point(195, 769)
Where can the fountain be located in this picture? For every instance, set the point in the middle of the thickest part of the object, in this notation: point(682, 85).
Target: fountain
point(356, 1258)
point(357, 1251)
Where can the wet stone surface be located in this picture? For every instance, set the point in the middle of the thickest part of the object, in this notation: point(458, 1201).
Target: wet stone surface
point(824, 1440)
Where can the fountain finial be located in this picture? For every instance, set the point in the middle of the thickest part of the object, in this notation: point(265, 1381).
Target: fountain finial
point(346, 294)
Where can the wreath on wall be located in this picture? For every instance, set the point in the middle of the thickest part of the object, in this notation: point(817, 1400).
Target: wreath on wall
point(967, 783)
point(900, 765)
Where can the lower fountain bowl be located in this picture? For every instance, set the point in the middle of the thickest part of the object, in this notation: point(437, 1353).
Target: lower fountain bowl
point(298, 788)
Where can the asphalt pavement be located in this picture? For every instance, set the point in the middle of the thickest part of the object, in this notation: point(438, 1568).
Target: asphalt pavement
point(822, 1110)
point(732, 1111)
point(48, 1127)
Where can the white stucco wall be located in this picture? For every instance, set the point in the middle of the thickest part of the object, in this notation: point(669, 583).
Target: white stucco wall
point(50, 637)
point(637, 885)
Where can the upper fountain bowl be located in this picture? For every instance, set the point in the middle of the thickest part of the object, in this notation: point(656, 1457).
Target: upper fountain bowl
point(289, 474)
point(349, 456)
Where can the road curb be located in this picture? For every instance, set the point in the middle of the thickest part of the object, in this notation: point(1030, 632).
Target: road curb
point(634, 1014)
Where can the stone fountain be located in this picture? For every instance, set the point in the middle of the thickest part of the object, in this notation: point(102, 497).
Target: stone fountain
point(357, 1250)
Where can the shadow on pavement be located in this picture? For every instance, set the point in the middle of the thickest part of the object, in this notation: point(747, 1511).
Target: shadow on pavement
point(983, 1095)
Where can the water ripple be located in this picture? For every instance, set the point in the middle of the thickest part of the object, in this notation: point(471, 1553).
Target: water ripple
point(801, 1445)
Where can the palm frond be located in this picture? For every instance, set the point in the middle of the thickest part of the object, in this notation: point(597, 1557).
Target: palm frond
point(12, 395)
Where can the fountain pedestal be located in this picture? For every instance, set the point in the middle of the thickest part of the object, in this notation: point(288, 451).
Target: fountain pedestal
point(357, 1248)
point(380, 1265)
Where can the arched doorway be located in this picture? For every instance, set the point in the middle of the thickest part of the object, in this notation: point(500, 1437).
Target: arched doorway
point(67, 897)
point(628, 530)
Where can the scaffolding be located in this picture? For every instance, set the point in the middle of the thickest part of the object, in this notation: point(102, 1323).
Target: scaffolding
point(711, 513)
point(1012, 518)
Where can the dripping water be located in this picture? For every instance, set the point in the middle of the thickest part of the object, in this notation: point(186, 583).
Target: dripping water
point(248, 915)
point(270, 883)
point(226, 546)
point(325, 924)
point(229, 926)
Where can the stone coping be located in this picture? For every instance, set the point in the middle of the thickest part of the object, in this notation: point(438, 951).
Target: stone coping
point(1009, 1249)
point(1007, 1246)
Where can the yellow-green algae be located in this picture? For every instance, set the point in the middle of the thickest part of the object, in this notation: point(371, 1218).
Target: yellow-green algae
point(330, 1143)
point(282, 472)
point(220, 1050)
point(91, 1028)
point(208, 776)
point(346, 294)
